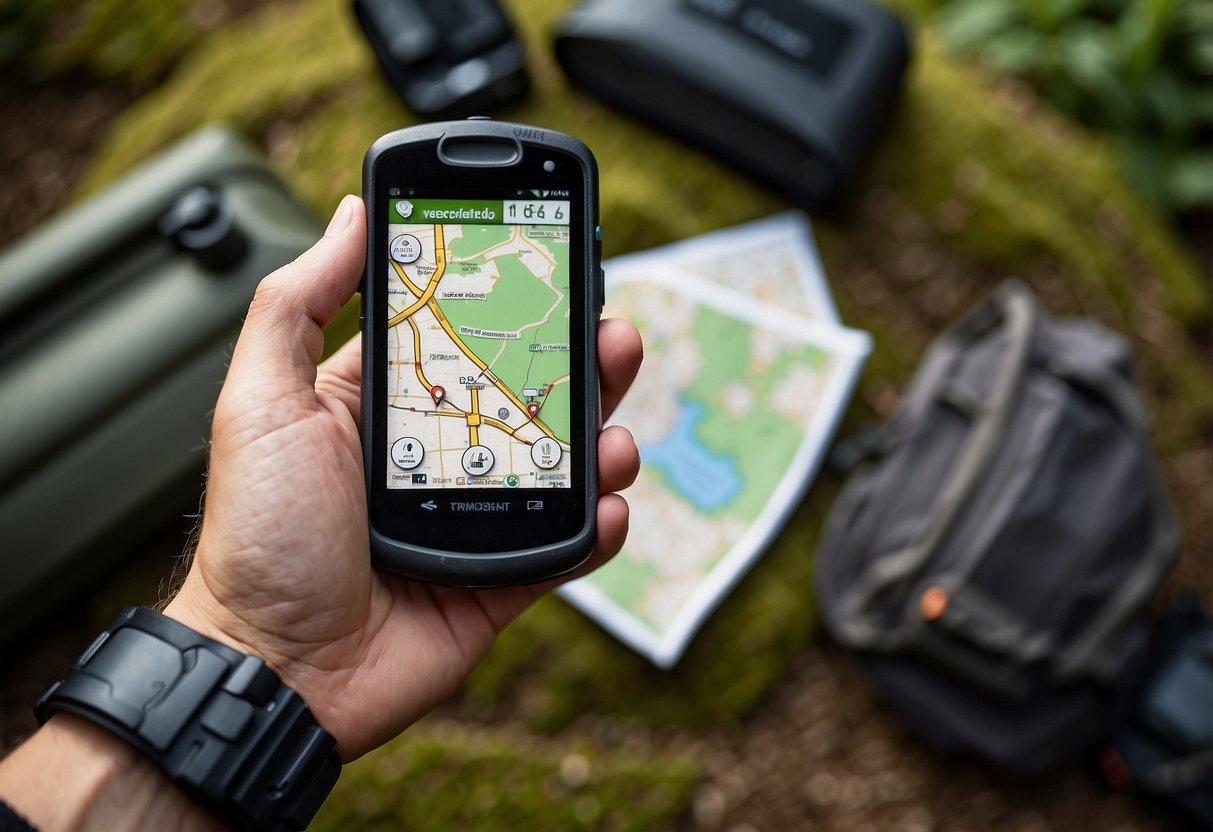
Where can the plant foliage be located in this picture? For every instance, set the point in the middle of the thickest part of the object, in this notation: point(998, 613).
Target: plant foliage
point(1139, 70)
point(124, 40)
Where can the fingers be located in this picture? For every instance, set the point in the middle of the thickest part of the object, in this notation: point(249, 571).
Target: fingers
point(282, 337)
point(612, 530)
point(618, 459)
point(620, 351)
point(613, 518)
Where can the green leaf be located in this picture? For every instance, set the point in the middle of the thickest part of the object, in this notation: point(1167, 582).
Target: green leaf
point(1018, 52)
point(968, 24)
point(1142, 29)
point(1166, 105)
point(1088, 55)
point(1189, 182)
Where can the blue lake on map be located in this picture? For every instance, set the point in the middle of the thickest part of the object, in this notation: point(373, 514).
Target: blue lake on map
point(707, 479)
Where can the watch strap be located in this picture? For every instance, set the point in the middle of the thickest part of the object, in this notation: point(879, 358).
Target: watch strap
point(221, 724)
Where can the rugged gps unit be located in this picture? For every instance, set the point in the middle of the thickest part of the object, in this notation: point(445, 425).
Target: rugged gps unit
point(480, 387)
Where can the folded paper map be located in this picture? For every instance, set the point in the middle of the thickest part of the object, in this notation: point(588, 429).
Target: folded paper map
point(747, 371)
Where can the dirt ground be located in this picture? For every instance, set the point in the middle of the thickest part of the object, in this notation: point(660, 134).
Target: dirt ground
point(819, 754)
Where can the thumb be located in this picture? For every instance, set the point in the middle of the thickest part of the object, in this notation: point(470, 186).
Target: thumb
point(282, 338)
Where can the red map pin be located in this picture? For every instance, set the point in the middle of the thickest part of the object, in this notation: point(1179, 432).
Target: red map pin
point(533, 409)
point(438, 393)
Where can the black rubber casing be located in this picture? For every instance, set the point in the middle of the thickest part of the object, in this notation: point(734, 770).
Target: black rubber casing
point(446, 58)
point(438, 544)
point(220, 724)
point(793, 92)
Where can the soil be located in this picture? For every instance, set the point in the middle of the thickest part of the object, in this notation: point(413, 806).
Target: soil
point(821, 753)
point(48, 134)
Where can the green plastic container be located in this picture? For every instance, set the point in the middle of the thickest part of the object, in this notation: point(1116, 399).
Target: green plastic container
point(115, 332)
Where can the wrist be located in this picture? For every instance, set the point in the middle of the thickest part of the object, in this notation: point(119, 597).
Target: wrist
point(99, 781)
point(202, 615)
point(196, 609)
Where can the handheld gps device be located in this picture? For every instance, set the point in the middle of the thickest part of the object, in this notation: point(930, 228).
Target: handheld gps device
point(482, 293)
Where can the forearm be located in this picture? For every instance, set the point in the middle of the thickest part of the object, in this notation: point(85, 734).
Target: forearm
point(75, 775)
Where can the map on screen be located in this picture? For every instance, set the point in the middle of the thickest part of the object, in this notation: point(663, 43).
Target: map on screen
point(478, 344)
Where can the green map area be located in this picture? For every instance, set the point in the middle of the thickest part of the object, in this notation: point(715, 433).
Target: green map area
point(721, 404)
point(519, 302)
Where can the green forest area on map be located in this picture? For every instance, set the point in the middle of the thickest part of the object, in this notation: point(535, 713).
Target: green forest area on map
point(739, 455)
point(517, 302)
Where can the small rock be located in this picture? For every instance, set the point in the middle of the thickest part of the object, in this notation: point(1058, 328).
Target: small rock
point(575, 770)
point(709, 806)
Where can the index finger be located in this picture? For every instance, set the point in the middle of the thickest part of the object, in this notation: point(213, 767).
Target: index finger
point(620, 351)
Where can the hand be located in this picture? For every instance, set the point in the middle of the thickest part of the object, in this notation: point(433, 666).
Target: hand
point(283, 568)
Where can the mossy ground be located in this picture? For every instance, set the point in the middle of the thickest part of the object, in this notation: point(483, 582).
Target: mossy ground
point(972, 183)
point(442, 776)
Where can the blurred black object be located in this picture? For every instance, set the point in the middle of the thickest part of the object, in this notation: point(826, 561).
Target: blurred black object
point(201, 223)
point(993, 559)
point(1165, 748)
point(794, 92)
point(446, 58)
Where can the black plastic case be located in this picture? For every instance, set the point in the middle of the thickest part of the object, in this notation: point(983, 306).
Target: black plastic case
point(794, 92)
point(479, 142)
point(446, 58)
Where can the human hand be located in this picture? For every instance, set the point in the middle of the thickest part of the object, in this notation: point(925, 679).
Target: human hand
point(283, 567)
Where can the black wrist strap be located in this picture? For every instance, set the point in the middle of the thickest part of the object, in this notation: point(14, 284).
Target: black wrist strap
point(221, 724)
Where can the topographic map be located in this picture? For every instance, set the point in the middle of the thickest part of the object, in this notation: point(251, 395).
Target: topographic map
point(478, 355)
point(747, 371)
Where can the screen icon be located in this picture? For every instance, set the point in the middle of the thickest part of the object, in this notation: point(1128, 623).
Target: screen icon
point(534, 505)
point(477, 460)
point(420, 479)
point(546, 453)
point(407, 452)
point(406, 248)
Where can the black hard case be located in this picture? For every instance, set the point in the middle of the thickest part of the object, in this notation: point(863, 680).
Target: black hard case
point(802, 128)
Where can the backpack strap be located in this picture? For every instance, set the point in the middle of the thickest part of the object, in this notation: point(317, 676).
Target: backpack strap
point(1093, 649)
point(1013, 307)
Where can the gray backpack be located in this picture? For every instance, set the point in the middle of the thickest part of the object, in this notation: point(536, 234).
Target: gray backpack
point(993, 560)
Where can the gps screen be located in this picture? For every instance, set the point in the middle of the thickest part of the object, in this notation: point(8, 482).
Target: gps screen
point(478, 391)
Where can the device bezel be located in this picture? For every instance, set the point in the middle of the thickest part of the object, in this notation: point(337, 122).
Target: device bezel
point(436, 542)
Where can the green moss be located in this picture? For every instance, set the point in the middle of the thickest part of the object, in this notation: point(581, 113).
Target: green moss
point(1056, 196)
point(443, 777)
point(126, 40)
point(284, 60)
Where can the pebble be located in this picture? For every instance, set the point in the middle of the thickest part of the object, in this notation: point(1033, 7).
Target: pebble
point(575, 770)
point(822, 788)
point(709, 806)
